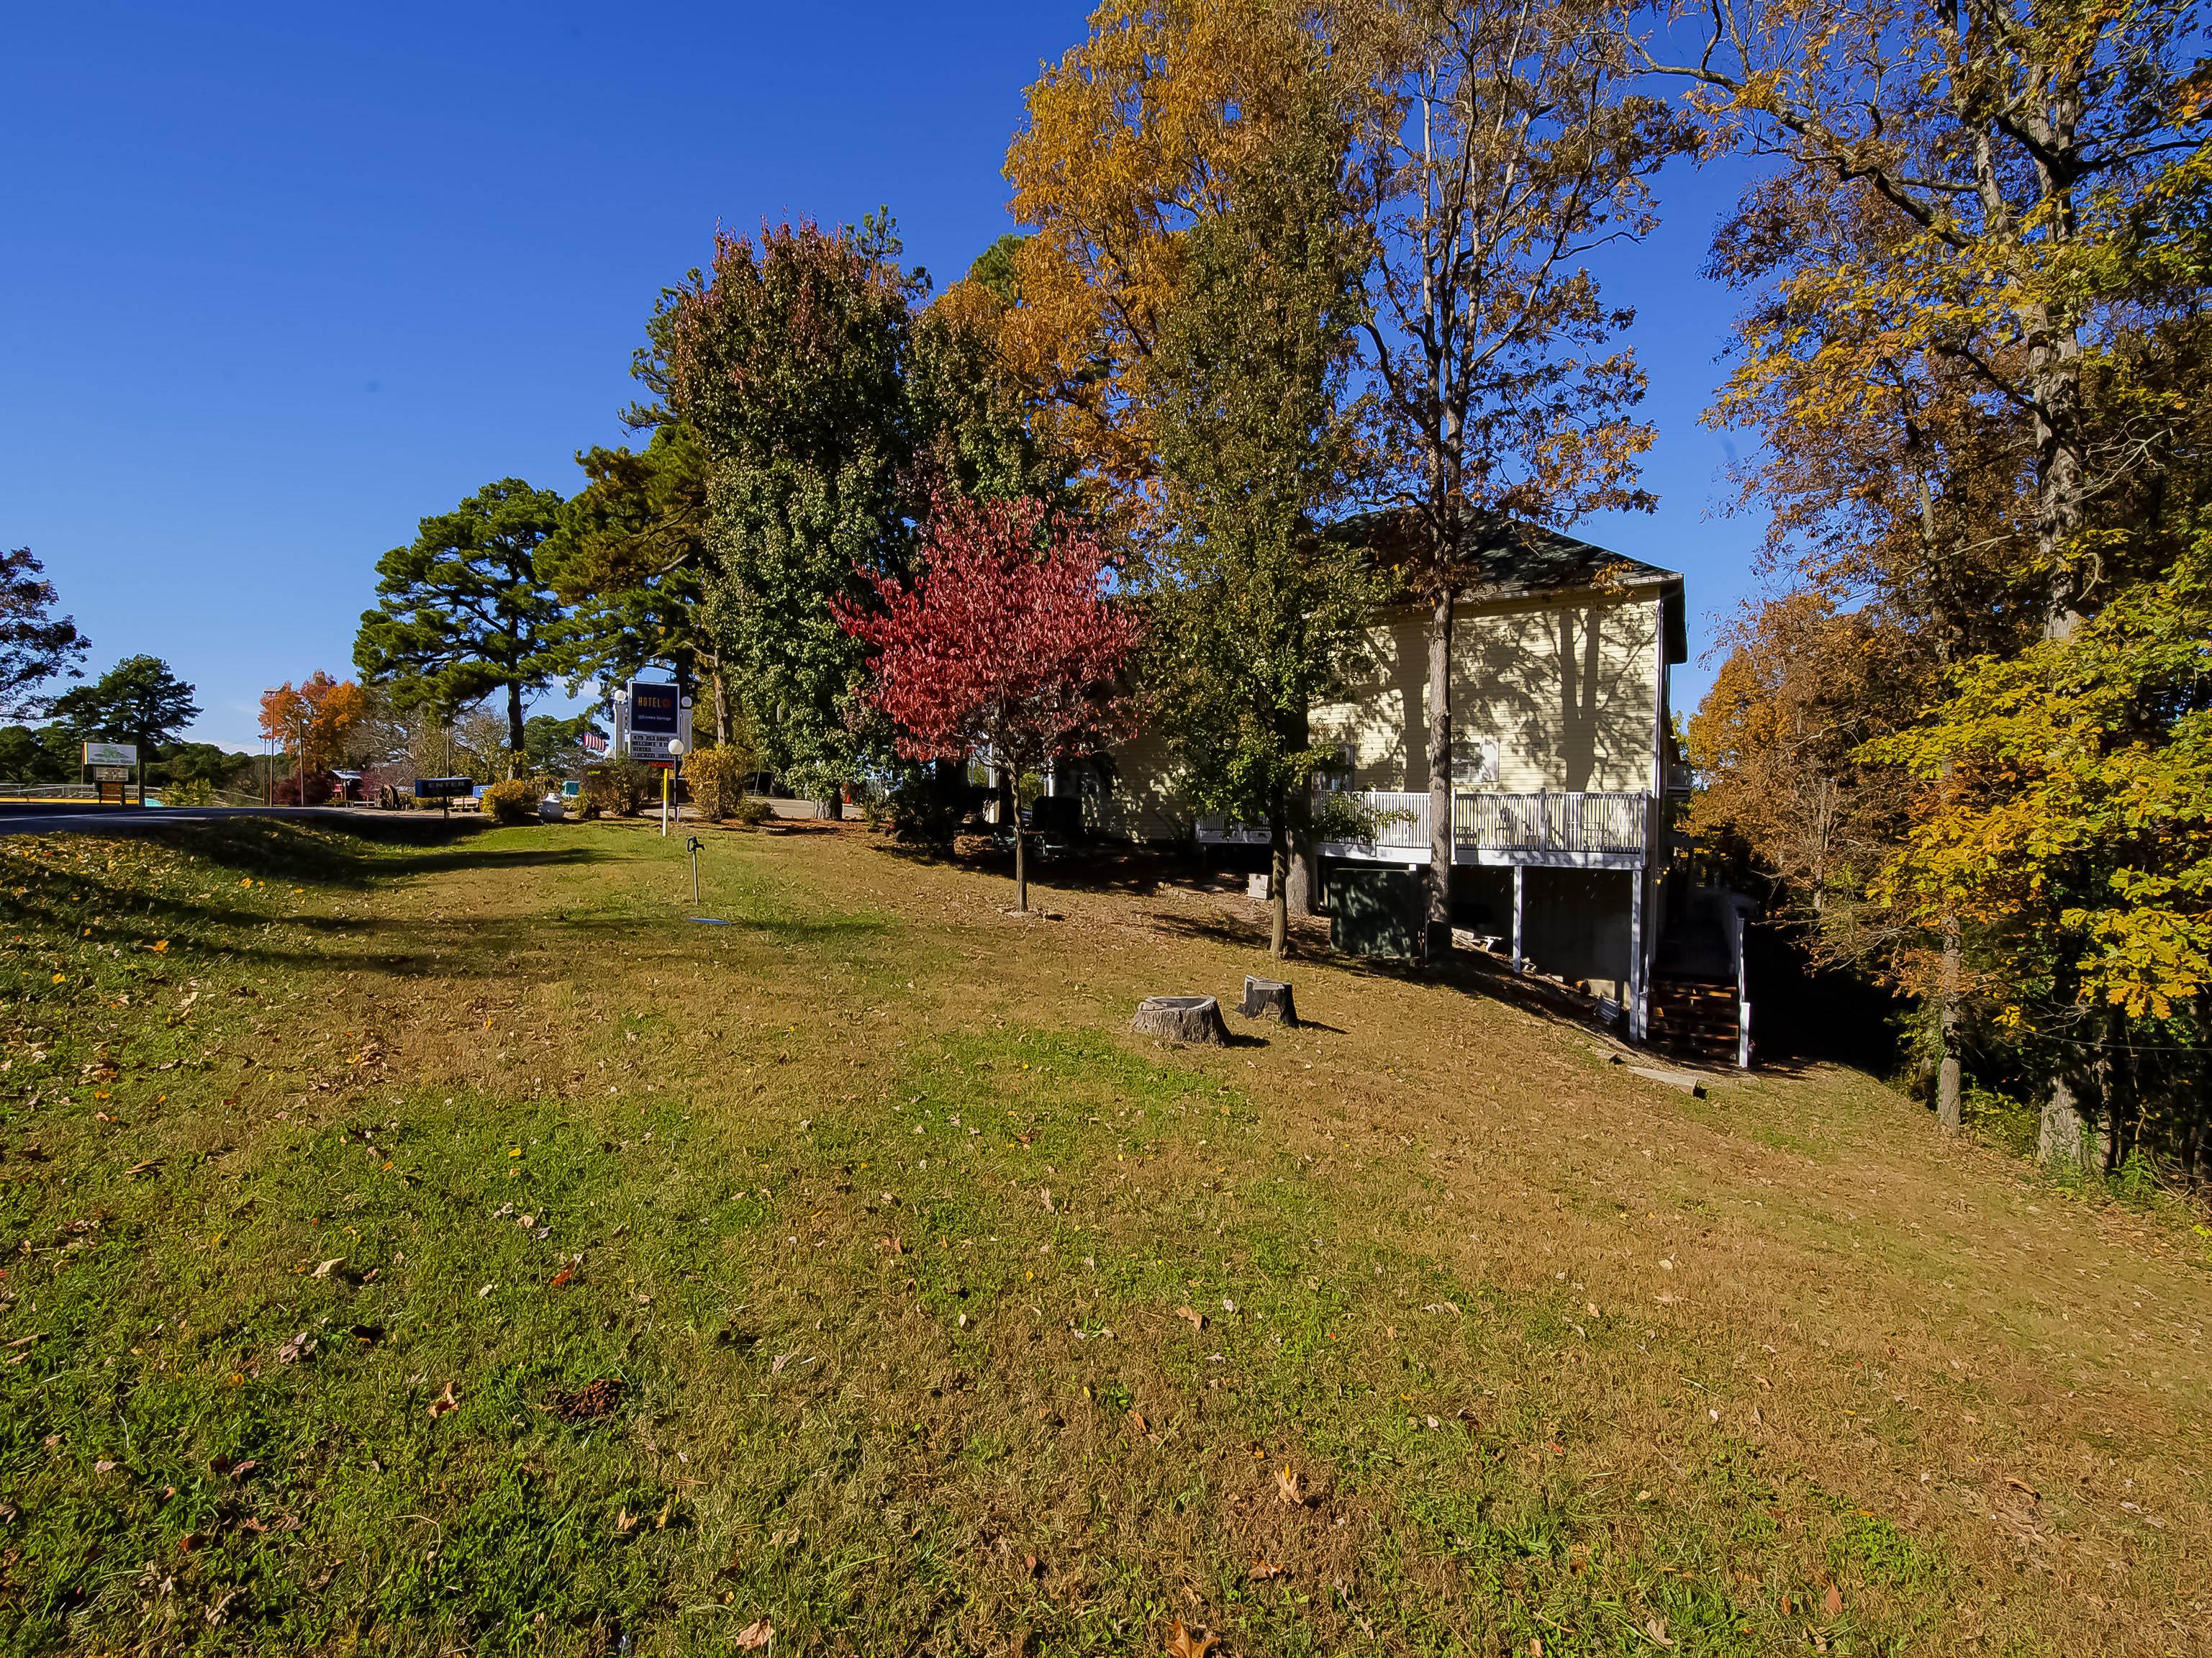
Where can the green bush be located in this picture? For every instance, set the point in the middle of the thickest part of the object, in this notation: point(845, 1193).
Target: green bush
point(717, 777)
point(514, 801)
point(751, 810)
point(927, 803)
point(619, 787)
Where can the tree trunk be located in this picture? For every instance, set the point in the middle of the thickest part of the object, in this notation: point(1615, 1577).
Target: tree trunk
point(721, 706)
point(1440, 771)
point(1950, 1111)
point(2060, 1138)
point(514, 727)
point(1021, 864)
point(1279, 890)
point(2055, 363)
point(1305, 881)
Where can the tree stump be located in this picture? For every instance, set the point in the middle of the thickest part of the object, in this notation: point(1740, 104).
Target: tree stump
point(1268, 999)
point(1182, 1019)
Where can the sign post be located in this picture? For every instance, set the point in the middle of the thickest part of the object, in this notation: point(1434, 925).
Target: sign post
point(668, 782)
point(111, 765)
point(443, 790)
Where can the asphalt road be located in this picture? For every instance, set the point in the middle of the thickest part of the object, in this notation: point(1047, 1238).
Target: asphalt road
point(25, 818)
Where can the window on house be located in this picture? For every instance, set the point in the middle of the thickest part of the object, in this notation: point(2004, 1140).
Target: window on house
point(1475, 762)
point(1337, 773)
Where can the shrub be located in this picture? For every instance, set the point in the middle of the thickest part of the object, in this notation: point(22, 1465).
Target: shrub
point(619, 787)
point(587, 807)
point(717, 777)
point(514, 801)
point(321, 786)
point(751, 810)
point(927, 804)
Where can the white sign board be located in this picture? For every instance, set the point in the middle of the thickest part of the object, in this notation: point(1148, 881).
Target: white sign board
point(111, 754)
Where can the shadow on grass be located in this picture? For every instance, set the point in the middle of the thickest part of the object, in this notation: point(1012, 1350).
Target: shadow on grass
point(1129, 871)
point(1472, 976)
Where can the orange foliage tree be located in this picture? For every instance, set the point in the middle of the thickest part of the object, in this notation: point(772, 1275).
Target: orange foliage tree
point(311, 719)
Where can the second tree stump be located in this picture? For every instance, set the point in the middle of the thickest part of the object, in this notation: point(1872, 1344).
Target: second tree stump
point(1268, 999)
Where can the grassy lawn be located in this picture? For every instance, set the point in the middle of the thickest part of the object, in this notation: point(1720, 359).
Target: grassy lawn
point(437, 1248)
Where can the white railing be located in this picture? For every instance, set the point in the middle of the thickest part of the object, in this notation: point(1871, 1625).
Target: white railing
point(1574, 821)
point(1401, 827)
point(1565, 822)
point(1217, 831)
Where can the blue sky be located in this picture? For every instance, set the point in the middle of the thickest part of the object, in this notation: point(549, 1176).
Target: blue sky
point(279, 280)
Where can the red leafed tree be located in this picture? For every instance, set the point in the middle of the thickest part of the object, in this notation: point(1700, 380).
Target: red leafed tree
point(1008, 642)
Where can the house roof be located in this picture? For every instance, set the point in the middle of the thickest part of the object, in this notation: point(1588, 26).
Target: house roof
point(1514, 559)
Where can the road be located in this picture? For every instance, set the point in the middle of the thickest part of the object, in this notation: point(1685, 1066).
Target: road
point(27, 818)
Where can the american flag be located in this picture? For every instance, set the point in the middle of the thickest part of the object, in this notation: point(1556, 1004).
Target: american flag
point(594, 744)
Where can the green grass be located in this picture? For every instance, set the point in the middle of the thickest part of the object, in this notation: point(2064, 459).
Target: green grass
point(943, 1318)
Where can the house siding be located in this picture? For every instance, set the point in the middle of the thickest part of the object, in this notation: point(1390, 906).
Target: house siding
point(1566, 687)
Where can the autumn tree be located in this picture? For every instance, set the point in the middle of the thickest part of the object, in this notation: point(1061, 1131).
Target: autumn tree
point(35, 644)
point(1490, 149)
point(1254, 614)
point(1006, 645)
point(974, 423)
point(313, 720)
point(1970, 261)
point(1510, 147)
point(2067, 816)
point(2018, 173)
point(787, 358)
point(463, 611)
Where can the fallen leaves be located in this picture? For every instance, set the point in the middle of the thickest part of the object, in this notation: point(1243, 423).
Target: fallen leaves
point(1263, 1571)
point(444, 1403)
point(595, 1399)
point(1191, 1316)
point(562, 1277)
point(1834, 1601)
point(1188, 1643)
point(302, 1346)
point(755, 1635)
point(1657, 1629)
point(327, 1267)
point(1290, 1486)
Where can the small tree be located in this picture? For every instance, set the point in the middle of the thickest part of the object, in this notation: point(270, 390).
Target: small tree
point(1008, 643)
point(35, 644)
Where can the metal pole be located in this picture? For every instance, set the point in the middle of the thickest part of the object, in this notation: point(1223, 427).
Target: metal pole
point(664, 804)
point(1518, 871)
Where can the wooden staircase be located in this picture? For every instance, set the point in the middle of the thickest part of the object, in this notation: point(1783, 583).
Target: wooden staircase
point(1695, 1020)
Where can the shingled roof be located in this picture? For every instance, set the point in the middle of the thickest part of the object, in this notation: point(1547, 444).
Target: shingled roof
point(1513, 559)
